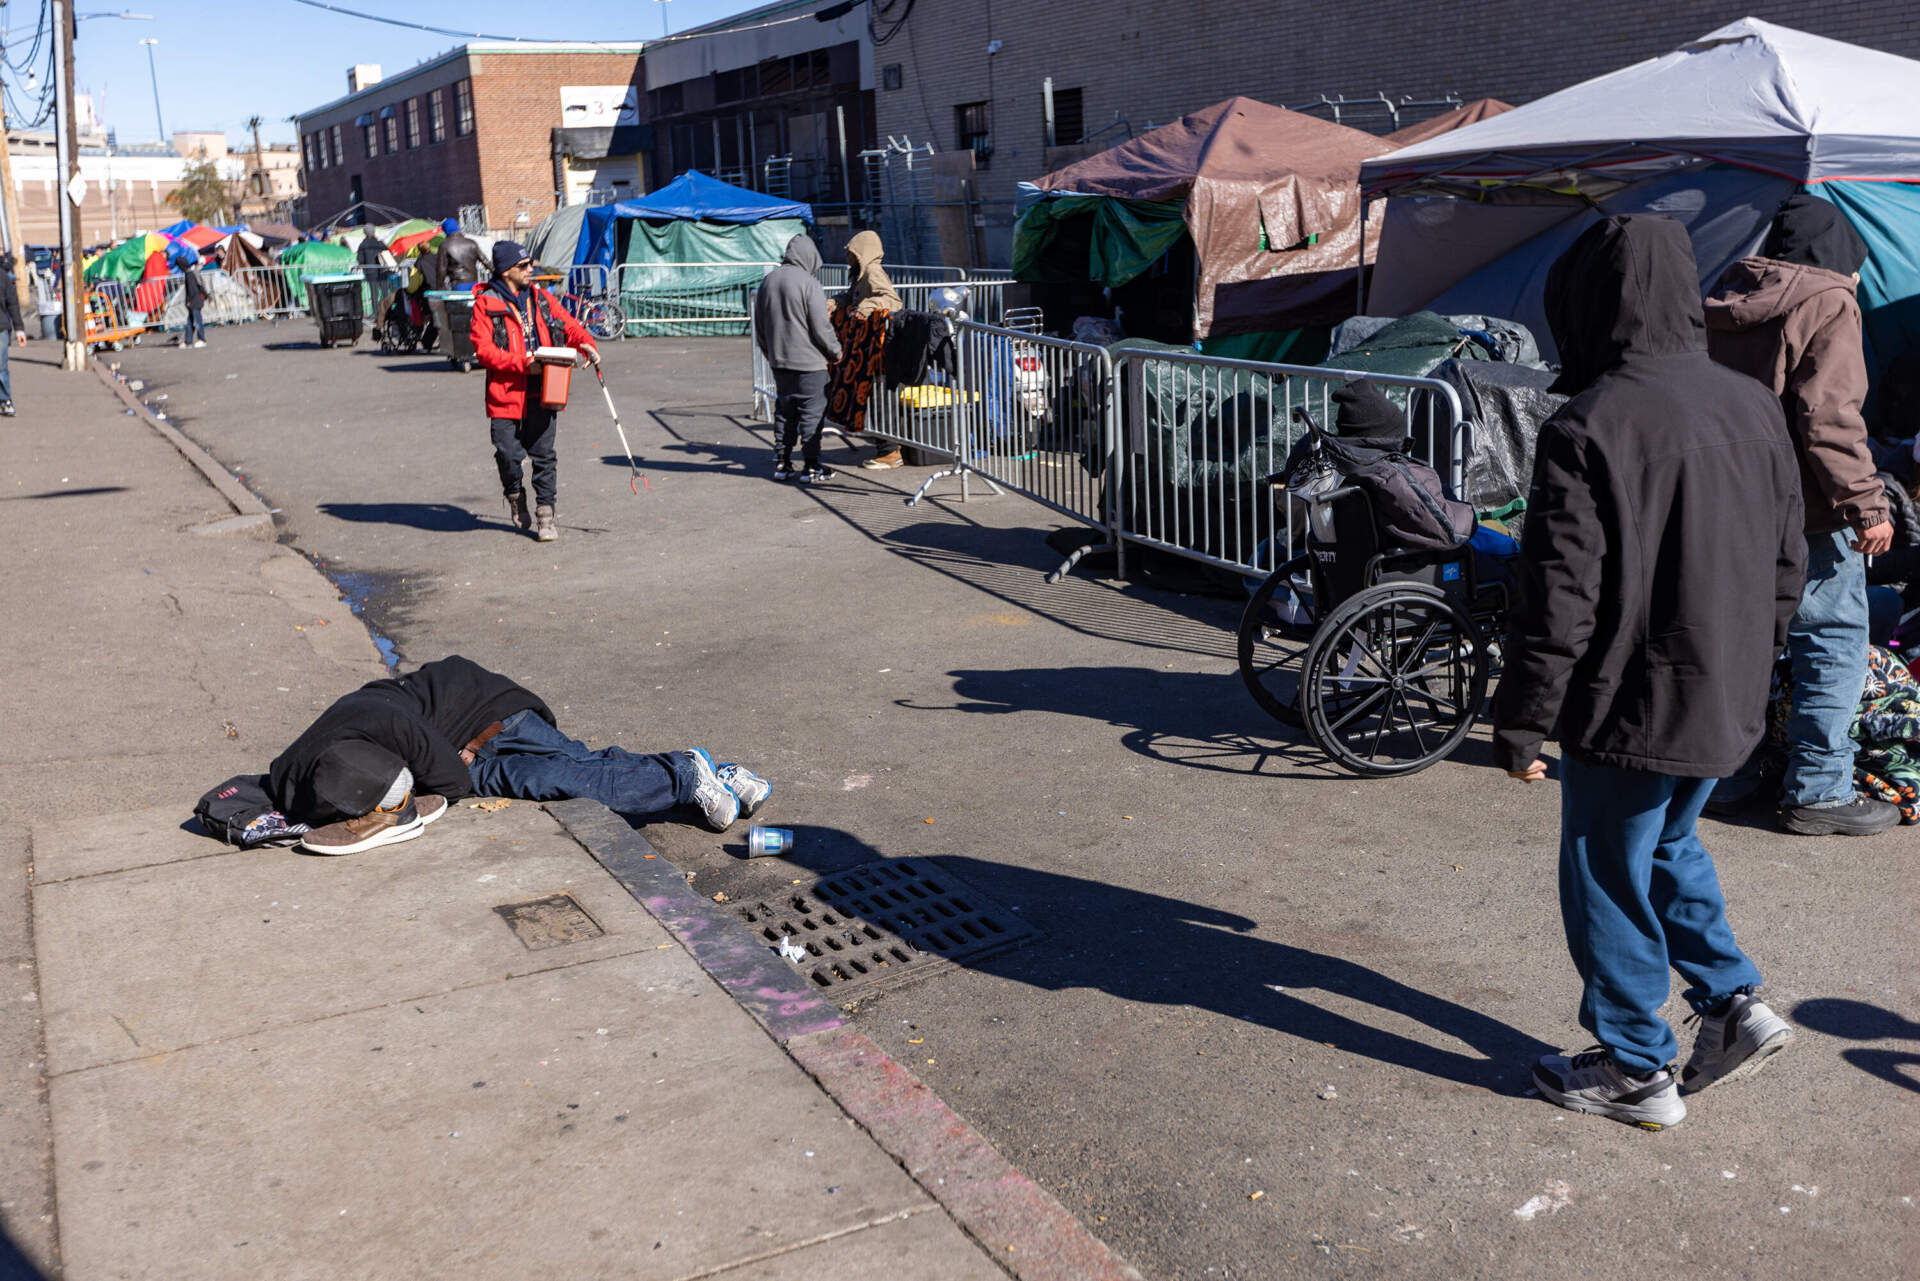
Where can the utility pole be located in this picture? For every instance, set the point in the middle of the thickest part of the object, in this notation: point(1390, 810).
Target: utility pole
point(67, 155)
point(16, 240)
point(260, 167)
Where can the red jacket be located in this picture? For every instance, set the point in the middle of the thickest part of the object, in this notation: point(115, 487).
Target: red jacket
point(501, 346)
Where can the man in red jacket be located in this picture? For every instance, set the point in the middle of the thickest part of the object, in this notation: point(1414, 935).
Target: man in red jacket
point(512, 318)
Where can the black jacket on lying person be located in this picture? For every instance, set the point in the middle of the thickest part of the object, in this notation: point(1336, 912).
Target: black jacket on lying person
point(1663, 551)
point(343, 763)
point(917, 343)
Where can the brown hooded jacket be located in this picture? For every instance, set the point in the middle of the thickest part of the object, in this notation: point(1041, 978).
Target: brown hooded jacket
point(870, 291)
point(1796, 328)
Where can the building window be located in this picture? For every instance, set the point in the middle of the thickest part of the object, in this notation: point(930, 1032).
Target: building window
point(436, 117)
point(463, 107)
point(669, 100)
point(892, 76)
point(413, 123)
point(373, 141)
point(306, 151)
point(391, 127)
point(339, 147)
point(1069, 120)
point(973, 127)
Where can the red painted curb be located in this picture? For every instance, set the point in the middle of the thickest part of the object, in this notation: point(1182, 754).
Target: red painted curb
point(1029, 1232)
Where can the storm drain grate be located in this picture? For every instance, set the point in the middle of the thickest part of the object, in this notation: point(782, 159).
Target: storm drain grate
point(549, 922)
point(884, 923)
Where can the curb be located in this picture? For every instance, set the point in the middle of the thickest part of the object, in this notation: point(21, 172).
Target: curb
point(252, 518)
point(1028, 1231)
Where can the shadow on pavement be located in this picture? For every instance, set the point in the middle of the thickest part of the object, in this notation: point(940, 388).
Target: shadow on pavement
point(1862, 1021)
point(1164, 951)
point(309, 344)
point(440, 518)
point(66, 493)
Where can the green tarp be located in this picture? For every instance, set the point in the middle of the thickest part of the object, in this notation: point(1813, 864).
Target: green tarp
point(1127, 236)
point(689, 278)
point(313, 258)
point(126, 262)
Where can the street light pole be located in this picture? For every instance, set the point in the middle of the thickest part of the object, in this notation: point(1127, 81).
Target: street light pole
point(663, 18)
point(153, 74)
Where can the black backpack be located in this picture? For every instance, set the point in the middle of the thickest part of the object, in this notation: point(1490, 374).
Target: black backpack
point(228, 811)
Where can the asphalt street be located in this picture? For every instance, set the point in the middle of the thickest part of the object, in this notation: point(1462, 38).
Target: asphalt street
point(1279, 1019)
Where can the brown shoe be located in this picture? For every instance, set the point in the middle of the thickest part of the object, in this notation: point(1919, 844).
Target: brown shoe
point(884, 462)
point(517, 511)
point(543, 528)
point(369, 831)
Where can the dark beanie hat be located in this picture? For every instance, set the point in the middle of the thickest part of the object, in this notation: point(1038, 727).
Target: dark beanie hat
point(1814, 233)
point(507, 253)
point(351, 776)
point(1361, 413)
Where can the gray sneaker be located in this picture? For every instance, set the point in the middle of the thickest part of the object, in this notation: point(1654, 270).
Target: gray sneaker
point(715, 799)
point(1592, 1082)
point(752, 790)
point(1734, 1043)
point(543, 527)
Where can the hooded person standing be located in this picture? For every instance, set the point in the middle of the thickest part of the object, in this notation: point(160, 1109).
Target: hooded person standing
point(513, 318)
point(1662, 556)
point(870, 293)
point(794, 330)
point(1789, 318)
point(193, 292)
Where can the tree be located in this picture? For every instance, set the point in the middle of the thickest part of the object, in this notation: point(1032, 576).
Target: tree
point(201, 195)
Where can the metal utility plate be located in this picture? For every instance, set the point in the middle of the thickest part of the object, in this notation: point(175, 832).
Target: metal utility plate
point(885, 923)
point(549, 922)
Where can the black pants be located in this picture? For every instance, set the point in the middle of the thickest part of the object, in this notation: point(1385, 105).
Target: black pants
point(800, 408)
point(530, 437)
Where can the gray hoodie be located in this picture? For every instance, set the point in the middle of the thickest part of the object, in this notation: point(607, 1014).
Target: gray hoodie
point(790, 320)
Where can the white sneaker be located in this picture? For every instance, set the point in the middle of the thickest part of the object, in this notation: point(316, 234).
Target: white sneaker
point(1592, 1082)
point(1736, 1042)
point(715, 799)
point(752, 790)
point(199, 344)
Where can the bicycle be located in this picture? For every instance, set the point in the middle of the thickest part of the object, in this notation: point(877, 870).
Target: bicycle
point(599, 315)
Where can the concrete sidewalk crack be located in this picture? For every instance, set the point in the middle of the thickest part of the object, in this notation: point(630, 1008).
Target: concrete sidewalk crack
point(793, 1247)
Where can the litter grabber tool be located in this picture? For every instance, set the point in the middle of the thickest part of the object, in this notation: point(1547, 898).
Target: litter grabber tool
point(637, 479)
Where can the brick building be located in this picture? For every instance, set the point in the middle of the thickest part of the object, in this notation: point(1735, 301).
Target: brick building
point(967, 74)
point(503, 126)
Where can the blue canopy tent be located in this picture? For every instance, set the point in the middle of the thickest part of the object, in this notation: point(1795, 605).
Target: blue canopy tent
point(689, 255)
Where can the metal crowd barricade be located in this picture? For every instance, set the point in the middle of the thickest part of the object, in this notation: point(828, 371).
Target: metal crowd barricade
point(1035, 415)
point(276, 291)
point(689, 299)
point(1201, 436)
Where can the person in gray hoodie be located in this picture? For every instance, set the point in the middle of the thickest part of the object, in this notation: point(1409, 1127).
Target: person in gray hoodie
point(795, 333)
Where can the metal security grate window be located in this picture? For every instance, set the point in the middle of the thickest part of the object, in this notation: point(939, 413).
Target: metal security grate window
point(436, 117)
point(463, 107)
point(1069, 118)
point(973, 129)
point(413, 123)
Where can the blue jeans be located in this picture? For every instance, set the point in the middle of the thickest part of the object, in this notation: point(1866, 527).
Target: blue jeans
point(1638, 894)
point(530, 760)
point(6, 379)
point(1827, 645)
point(196, 327)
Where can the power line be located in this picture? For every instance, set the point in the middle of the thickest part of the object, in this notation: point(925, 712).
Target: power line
point(482, 35)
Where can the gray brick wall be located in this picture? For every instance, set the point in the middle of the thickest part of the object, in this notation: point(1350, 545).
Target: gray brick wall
point(1153, 61)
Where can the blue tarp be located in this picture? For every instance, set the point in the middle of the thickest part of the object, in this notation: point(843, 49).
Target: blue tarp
point(1887, 216)
point(693, 196)
point(185, 224)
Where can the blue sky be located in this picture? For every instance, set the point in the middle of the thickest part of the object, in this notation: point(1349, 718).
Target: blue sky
point(220, 61)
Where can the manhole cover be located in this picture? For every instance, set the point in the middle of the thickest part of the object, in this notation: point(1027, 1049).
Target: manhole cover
point(549, 922)
point(885, 923)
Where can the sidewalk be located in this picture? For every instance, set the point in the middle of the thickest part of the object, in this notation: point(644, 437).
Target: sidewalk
point(476, 1055)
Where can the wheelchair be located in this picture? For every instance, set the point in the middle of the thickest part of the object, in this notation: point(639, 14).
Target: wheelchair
point(1382, 655)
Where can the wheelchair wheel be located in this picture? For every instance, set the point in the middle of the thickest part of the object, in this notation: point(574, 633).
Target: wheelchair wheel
point(1273, 645)
point(1393, 680)
point(604, 320)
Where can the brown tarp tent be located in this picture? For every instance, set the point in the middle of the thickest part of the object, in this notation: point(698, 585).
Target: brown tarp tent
point(1460, 117)
point(1270, 197)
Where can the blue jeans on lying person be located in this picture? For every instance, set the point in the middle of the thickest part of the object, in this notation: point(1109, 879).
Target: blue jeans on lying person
point(530, 760)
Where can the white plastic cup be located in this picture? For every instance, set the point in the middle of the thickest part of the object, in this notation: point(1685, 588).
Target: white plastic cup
point(764, 841)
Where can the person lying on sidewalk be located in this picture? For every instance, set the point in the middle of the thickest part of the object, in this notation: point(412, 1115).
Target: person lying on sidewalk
point(383, 761)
